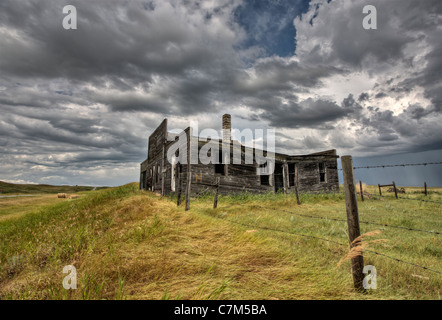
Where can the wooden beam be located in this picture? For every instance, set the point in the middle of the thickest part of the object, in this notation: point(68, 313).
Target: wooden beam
point(296, 184)
point(284, 176)
point(163, 170)
point(178, 185)
point(386, 185)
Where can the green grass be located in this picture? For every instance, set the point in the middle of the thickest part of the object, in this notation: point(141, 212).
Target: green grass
point(131, 244)
point(10, 188)
point(16, 207)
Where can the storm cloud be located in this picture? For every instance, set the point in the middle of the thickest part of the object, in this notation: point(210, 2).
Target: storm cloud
point(77, 106)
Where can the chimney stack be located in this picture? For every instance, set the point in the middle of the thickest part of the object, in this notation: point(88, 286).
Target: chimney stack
point(227, 127)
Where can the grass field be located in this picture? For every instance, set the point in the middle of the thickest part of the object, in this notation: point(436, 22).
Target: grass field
point(16, 207)
point(131, 244)
point(10, 188)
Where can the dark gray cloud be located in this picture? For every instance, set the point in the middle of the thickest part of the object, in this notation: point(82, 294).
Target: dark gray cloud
point(364, 96)
point(78, 105)
point(309, 113)
point(133, 44)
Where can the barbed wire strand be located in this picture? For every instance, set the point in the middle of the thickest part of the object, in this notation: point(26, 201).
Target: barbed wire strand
point(399, 260)
point(396, 165)
point(336, 219)
point(343, 220)
point(326, 240)
point(403, 198)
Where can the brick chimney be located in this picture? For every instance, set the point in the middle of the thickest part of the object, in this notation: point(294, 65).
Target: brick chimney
point(227, 127)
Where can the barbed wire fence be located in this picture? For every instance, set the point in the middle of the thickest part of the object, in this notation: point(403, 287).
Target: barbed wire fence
point(396, 165)
point(216, 186)
point(403, 198)
point(322, 239)
point(403, 165)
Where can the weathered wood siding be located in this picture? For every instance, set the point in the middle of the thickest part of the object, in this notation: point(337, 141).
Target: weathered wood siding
point(240, 177)
point(309, 178)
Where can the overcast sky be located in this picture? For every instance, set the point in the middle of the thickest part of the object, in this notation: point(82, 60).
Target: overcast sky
point(77, 106)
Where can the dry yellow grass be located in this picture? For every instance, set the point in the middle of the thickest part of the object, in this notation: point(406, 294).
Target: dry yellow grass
point(161, 251)
point(132, 244)
point(358, 245)
point(358, 188)
point(17, 207)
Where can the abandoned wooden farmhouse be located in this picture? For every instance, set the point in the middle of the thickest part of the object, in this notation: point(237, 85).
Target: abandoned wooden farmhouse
point(317, 172)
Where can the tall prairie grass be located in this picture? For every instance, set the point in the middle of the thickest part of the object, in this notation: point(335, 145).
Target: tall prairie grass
point(131, 244)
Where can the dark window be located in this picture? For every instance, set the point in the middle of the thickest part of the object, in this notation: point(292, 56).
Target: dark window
point(292, 170)
point(220, 168)
point(265, 181)
point(321, 172)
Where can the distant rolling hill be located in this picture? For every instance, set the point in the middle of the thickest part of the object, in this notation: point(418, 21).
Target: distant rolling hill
point(11, 188)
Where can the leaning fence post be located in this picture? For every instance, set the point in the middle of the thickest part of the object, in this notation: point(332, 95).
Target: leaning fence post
point(380, 192)
point(215, 200)
point(425, 187)
point(395, 190)
point(354, 232)
point(362, 193)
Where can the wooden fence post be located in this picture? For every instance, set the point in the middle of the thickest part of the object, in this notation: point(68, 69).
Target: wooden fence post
point(380, 192)
point(189, 172)
point(163, 171)
point(284, 177)
point(354, 232)
point(188, 183)
point(425, 187)
point(395, 190)
point(215, 200)
point(178, 198)
point(296, 185)
point(362, 192)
